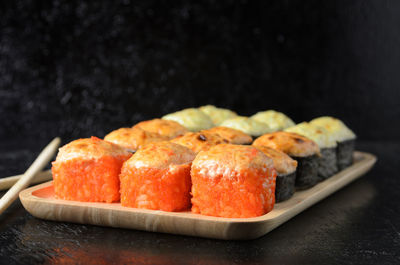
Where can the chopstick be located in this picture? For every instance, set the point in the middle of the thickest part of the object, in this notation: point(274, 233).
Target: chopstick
point(40, 162)
point(8, 182)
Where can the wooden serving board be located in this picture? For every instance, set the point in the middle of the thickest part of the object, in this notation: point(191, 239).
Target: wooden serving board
point(40, 202)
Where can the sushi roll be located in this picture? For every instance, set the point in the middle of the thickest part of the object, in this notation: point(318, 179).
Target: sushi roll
point(247, 125)
point(88, 170)
point(165, 128)
point(192, 119)
point(157, 177)
point(305, 151)
point(327, 144)
point(233, 136)
point(277, 121)
point(344, 137)
point(234, 181)
point(199, 141)
point(286, 172)
point(133, 138)
point(218, 115)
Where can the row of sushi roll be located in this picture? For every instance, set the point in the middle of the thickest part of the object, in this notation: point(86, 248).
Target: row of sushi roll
point(208, 160)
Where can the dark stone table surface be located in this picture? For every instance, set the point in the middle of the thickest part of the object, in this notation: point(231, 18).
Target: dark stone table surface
point(359, 224)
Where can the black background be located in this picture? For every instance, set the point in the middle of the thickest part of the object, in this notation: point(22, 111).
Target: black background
point(80, 68)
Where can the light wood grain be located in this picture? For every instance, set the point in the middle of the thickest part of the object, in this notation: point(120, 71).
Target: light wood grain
point(40, 202)
point(8, 182)
point(40, 162)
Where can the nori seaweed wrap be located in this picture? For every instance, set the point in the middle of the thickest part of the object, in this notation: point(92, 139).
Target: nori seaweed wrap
point(344, 153)
point(305, 151)
point(286, 172)
point(327, 163)
point(285, 186)
point(307, 171)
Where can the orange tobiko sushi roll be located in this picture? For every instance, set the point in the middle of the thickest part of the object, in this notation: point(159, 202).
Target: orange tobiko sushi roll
point(88, 170)
point(235, 181)
point(157, 177)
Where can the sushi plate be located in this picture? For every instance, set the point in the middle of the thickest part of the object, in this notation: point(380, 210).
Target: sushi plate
point(39, 200)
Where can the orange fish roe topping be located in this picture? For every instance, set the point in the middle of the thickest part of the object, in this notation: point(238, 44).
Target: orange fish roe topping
point(167, 128)
point(133, 138)
point(232, 135)
point(199, 141)
point(282, 162)
point(88, 170)
point(157, 177)
point(292, 144)
point(235, 181)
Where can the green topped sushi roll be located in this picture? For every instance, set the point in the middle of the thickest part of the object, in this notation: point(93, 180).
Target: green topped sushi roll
point(247, 125)
point(344, 137)
point(277, 121)
point(192, 119)
point(218, 115)
point(327, 164)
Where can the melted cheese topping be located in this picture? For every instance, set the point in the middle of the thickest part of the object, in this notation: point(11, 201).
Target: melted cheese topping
point(192, 119)
point(89, 148)
point(199, 141)
point(282, 162)
point(133, 138)
point(339, 131)
point(217, 115)
point(247, 125)
point(167, 128)
point(292, 144)
point(277, 121)
point(161, 155)
point(232, 135)
point(230, 160)
point(316, 133)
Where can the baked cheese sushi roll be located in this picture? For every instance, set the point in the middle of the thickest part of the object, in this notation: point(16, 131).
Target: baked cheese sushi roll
point(199, 141)
point(235, 181)
point(166, 128)
point(277, 121)
point(327, 144)
point(157, 177)
point(232, 135)
point(344, 137)
point(247, 125)
point(133, 138)
point(88, 170)
point(218, 115)
point(305, 151)
point(192, 119)
point(286, 172)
